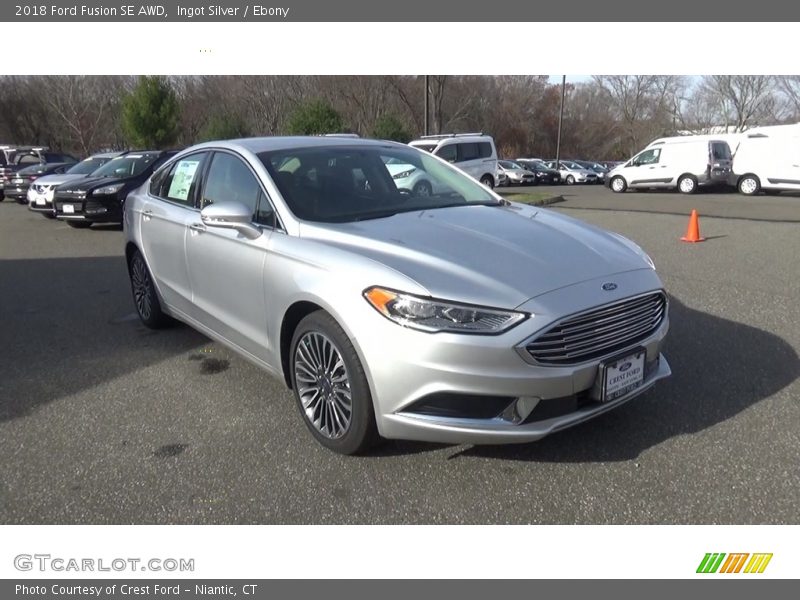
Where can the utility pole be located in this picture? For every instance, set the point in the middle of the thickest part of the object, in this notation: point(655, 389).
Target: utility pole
point(427, 104)
point(560, 120)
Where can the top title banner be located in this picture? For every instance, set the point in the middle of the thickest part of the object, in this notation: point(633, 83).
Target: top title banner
point(406, 11)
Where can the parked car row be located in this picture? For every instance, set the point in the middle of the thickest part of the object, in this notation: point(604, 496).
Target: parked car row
point(555, 171)
point(16, 158)
point(81, 193)
point(764, 159)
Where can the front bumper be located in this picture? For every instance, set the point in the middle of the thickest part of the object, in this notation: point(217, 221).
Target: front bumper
point(94, 210)
point(40, 202)
point(16, 193)
point(499, 430)
point(408, 370)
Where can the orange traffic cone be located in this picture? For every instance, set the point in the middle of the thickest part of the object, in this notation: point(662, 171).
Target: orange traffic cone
point(693, 230)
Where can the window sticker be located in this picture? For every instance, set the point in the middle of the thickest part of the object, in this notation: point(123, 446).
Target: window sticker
point(182, 180)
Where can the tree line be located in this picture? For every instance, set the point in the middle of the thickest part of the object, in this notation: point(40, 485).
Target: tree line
point(605, 117)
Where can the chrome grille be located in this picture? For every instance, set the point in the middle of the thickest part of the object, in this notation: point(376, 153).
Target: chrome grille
point(600, 332)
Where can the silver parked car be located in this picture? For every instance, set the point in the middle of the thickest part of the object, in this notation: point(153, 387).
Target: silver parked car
point(572, 172)
point(454, 316)
point(516, 173)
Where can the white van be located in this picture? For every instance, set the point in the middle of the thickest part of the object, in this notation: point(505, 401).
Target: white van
point(768, 160)
point(473, 153)
point(683, 162)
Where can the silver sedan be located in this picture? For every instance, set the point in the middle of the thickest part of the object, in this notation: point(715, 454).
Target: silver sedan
point(450, 316)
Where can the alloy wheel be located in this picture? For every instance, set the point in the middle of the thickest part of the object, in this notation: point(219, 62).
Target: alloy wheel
point(142, 288)
point(323, 385)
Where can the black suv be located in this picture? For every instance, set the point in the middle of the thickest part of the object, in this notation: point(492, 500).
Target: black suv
point(100, 198)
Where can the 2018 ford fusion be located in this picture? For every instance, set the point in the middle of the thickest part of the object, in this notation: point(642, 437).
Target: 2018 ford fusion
point(450, 316)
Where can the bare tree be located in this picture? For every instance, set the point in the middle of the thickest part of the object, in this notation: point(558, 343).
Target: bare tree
point(741, 101)
point(85, 107)
point(643, 105)
point(789, 86)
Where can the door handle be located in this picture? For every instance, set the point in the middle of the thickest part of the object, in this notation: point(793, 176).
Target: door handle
point(147, 214)
point(198, 227)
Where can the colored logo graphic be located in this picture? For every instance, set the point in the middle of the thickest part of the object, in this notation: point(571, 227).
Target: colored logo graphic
point(734, 563)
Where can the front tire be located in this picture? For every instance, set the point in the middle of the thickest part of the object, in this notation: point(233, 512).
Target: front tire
point(145, 298)
point(423, 189)
point(618, 184)
point(570, 180)
point(749, 185)
point(330, 386)
point(488, 181)
point(687, 184)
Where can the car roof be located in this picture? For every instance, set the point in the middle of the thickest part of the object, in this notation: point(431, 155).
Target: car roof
point(107, 155)
point(268, 144)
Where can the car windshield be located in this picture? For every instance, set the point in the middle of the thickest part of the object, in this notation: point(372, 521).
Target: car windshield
point(87, 166)
point(507, 164)
point(426, 147)
point(340, 184)
point(129, 165)
point(34, 170)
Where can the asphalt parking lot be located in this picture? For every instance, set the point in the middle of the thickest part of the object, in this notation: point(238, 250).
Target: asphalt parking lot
point(103, 421)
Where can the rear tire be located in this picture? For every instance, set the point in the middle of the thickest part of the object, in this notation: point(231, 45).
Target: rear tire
point(145, 298)
point(488, 181)
point(330, 386)
point(749, 185)
point(687, 184)
point(79, 224)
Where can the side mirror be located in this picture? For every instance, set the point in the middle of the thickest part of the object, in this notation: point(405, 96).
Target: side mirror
point(230, 215)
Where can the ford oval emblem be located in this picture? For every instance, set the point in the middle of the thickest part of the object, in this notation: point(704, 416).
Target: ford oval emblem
point(609, 287)
point(625, 366)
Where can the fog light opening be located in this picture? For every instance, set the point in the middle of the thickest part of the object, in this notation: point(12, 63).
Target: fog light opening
point(520, 409)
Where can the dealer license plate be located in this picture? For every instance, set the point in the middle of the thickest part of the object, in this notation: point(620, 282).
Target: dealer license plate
point(39, 201)
point(69, 209)
point(621, 375)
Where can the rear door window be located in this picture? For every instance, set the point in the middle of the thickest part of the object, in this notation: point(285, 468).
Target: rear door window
point(179, 182)
point(485, 149)
point(468, 151)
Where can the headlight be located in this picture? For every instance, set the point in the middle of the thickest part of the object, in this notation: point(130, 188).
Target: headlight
point(434, 316)
point(403, 174)
point(109, 189)
point(636, 248)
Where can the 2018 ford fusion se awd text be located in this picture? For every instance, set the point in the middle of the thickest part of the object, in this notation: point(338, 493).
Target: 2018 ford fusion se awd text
point(453, 316)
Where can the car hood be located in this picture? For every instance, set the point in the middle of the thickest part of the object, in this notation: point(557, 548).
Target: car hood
point(492, 256)
point(58, 179)
point(89, 183)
